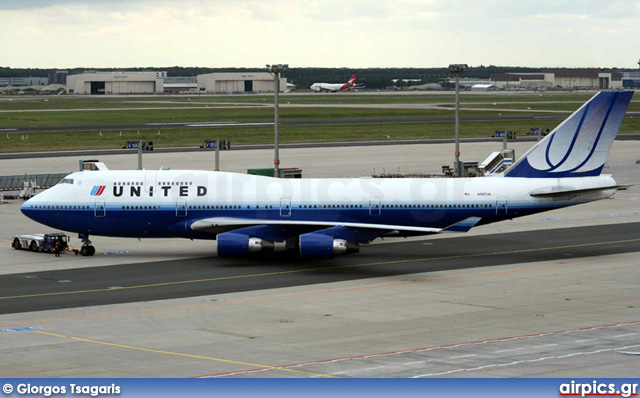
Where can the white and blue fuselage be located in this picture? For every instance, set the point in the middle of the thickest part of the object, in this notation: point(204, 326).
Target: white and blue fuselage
point(166, 203)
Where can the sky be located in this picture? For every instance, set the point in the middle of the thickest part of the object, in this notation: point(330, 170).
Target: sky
point(319, 33)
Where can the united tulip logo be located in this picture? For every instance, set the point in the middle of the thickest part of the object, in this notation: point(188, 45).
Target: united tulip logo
point(98, 190)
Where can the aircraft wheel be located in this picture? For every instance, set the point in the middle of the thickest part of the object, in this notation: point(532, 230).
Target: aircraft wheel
point(34, 246)
point(16, 244)
point(84, 250)
point(92, 250)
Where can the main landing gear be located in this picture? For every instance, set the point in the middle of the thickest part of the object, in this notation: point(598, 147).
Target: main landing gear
point(86, 249)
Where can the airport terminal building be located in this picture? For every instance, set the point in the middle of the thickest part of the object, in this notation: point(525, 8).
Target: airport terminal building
point(588, 79)
point(233, 83)
point(115, 83)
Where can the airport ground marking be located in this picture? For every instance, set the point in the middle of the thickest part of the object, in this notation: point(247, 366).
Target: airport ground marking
point(455, 345)
point(322, 292)
point(223, 278)
point(528, 361)
point(179, 354)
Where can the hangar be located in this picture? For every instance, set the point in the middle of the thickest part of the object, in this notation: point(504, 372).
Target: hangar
point(246, 82)
point(115, 83)
point(588, 79)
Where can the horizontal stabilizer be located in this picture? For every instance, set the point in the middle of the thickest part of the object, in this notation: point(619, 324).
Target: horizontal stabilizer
point(463, 226)
point(551, 192)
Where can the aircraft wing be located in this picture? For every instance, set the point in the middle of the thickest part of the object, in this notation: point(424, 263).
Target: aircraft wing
point(280, 230)
point(215, 224)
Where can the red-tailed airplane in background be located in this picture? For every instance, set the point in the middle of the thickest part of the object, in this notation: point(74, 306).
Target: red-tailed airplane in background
point(335, 87)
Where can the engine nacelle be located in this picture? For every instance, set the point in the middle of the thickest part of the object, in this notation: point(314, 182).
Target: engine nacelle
point(315, 245)
point(237, 245)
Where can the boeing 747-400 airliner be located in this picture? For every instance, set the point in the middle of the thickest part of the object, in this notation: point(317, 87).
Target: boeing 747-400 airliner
point(335, 87)
point(325, 217)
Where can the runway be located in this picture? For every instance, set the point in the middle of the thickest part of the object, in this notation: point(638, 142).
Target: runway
point(300, 122)
point(127, 283)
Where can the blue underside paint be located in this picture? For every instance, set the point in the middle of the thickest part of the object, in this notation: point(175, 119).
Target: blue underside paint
point(165, 222)
point(231, 244)
point(316, 245)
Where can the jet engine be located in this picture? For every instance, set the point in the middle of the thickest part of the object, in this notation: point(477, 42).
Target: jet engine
point(315, 245)
point(237, 245)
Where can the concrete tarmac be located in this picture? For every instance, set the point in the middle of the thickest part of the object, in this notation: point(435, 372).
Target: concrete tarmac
point(210, 276)
point(560, 302)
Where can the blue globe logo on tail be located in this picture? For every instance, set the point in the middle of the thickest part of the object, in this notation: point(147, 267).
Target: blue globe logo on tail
point(579, 146)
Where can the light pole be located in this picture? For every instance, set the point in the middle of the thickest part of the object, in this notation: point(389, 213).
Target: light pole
point(457, 69)
point(276, 70)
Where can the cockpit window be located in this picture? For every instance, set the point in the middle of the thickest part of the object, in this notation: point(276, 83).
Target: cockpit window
point(66, 181)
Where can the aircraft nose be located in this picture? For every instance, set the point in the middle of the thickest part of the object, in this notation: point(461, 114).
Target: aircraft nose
point(26, 206)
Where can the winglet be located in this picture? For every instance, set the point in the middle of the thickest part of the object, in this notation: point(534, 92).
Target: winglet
point(463, 226)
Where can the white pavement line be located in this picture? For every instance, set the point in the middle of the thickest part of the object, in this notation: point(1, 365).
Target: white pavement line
point(420, 350)
point(527, 361)
point(538, 359)
point(512, 349)
point(624, 348)
point(545, 358)
point(583, 341)
point(340, 373)
point(623, 335)
point(544, 345)
point(573, 354)
point(375, 367)
point(413, 363)
point(321, 363)
point(463, 356)
point(438, 374)
point(481, 367)
point(238, 372)
point(510, 363)
point(597, 351)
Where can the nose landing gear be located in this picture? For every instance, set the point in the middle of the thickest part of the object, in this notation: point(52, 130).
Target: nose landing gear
point(86, 249)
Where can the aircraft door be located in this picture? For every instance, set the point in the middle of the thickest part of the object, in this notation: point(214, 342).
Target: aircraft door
point(285, 207)
point(501, 206)
point(181, 208)
point(374, 207)
point(149, 181)
point(99, 208)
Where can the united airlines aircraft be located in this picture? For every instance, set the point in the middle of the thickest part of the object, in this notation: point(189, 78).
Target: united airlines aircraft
point(321, 218)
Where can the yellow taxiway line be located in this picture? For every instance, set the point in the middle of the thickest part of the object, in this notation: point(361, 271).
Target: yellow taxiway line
point(179, 354)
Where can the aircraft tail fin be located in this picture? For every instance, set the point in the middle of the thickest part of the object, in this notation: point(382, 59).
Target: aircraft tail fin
point(579, 146)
